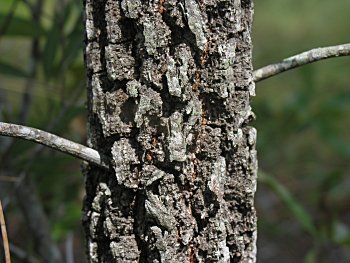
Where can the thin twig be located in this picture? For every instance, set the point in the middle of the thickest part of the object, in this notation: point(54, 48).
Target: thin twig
point(53, 141)
point(4, 236)
point(34, 152)
point(10, 179)
point(301, 59)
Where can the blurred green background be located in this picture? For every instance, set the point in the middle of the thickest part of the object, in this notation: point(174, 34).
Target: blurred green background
point(303, 198)
point(303, 124)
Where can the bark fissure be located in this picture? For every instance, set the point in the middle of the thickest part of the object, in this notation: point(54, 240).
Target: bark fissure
point(169, 86)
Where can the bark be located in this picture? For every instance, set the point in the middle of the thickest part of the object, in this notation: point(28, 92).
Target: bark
point(169, 84)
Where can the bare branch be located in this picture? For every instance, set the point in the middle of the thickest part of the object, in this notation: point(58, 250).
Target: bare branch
point(10, 179)
point(4, 236)
point(301, 59)
point(53, 141)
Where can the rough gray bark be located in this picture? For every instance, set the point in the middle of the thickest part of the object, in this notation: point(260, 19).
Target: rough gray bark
point(169, 83)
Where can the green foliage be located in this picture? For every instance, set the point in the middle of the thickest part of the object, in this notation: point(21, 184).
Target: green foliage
point(42, 63)
point(9, 70)
point(21, 27)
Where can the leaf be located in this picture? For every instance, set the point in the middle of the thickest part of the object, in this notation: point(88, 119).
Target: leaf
point(286, 197)
point(7, 69)
point(22, 27)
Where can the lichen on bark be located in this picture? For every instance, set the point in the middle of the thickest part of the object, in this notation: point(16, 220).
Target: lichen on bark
point(169, 84)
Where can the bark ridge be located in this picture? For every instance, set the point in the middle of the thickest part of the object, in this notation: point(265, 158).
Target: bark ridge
point(169, 84)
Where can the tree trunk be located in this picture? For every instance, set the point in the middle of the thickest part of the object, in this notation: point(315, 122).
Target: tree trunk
point(169, 83)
